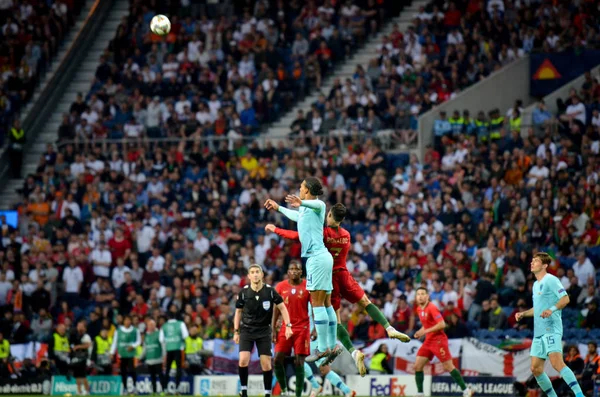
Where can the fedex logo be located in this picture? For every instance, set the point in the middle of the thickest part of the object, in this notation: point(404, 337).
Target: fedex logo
point(391, 388)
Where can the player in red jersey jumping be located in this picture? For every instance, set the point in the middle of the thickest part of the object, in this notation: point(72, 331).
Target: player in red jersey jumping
point(436, 343)
point(337, 240)
point(295, 297)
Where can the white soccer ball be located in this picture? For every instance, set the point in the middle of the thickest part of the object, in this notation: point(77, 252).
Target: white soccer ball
point(160, 25)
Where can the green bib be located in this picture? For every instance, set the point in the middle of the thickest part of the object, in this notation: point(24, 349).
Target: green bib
point(153, 348)
point(126, 339)
point(173, 337)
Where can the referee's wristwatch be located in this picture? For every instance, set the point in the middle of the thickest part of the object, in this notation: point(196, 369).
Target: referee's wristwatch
point(237, 331)
point(289, 325)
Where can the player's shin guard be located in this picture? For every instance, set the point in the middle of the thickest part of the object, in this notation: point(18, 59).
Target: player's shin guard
point(332, 327)
point(569, 377)
point(455, 374)
point(268, 382)
point(344, 337)
point(419, 378)
point(545, 384)
point(311, 378)
point(299, 380)
point(280, 375)
point(336, 381)
point(322, 326)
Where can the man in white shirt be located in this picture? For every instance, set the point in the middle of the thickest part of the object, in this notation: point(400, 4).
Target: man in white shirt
point(583, 269)
point(118, 274)
point(537, 172)
point(144, 236)
point(544, 147)
point(72, 279)
point(366, 283)
point(101, 259)
point(201, 244)
point(158, 260)
point(575, 111)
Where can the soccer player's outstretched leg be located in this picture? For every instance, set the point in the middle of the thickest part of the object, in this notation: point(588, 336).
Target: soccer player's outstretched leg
point(337, 240)
point(436, 343)
point(549, 298)
point(252, 326)
point(319, 263)
point(295, 297)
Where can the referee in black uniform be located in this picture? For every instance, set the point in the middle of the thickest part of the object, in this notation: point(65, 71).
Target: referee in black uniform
point(252, 325)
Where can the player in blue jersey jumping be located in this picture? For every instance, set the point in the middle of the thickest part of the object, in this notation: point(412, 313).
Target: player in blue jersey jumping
point(549, 298)
point(319, 262)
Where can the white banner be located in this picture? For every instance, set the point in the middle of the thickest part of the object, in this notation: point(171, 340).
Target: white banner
point(405, 355)
point(31, 350)
point(229, 385)
point(387, 385)
point(482, 358)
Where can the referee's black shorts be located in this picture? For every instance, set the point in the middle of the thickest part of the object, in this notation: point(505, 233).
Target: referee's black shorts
point(79, 370)
point(260, 336)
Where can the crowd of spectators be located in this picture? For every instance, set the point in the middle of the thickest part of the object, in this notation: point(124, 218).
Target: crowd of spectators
point(450, 46)
point(223, 70)
point(30, 34)
point(143, 230)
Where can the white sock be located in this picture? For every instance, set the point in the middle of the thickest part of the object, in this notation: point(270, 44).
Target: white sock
point(390, 329)
point(354, 353)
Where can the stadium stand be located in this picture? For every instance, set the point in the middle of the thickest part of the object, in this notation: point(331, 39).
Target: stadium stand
point(30, 35)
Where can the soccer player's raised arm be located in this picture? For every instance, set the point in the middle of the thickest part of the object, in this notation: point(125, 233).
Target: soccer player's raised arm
point(290, 214)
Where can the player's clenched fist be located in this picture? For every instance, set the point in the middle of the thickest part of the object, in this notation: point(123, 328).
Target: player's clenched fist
point(270, 228)
point(519, 316)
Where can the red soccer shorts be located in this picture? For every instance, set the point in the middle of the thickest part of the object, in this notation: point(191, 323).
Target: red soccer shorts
point(300, 341)
point(437, 347)
point(345, 286)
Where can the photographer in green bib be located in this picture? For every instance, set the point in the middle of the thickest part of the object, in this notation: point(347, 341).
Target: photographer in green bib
point(172, 336)
point(126, 340)
point(153, 353)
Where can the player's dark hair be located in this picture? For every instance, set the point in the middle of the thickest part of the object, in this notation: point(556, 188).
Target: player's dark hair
point(338, 211)
point(422, 288)
point(314, 186)
point(544, 257)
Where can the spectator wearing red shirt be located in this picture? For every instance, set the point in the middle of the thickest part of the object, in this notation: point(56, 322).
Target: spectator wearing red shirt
point(404, 320)
point(452, 16)
point(140, 308)
point(451, 309)
point(119, 246)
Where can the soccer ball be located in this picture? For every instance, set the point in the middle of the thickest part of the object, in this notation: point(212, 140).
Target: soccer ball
point(160, 25)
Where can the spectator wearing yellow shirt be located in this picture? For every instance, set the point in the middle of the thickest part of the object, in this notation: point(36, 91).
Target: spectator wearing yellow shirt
point(249, 163)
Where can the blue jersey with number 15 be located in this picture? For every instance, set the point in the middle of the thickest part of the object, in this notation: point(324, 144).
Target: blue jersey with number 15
point(546, 293)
